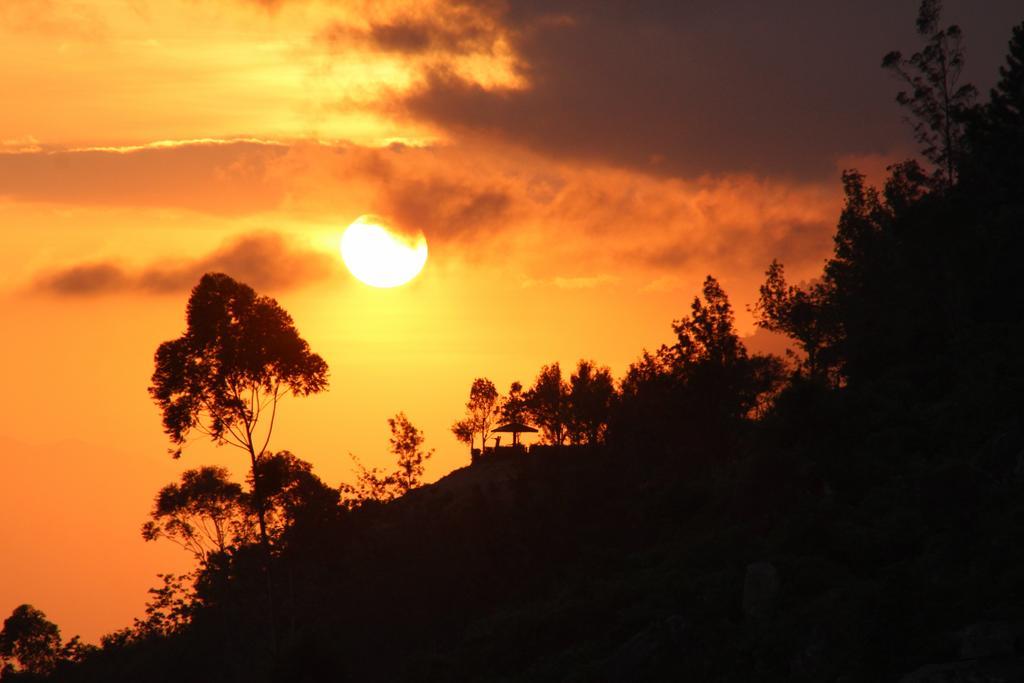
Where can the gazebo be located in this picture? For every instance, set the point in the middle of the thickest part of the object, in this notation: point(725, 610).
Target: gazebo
point(514, 428)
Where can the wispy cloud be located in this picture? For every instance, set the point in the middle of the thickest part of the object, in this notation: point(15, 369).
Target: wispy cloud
point(172, 144)
point(578, 282)
point(210, 175)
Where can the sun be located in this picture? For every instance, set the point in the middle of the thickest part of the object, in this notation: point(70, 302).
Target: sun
point(381, 256)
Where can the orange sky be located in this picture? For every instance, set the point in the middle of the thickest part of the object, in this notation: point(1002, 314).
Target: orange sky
point(577, 172)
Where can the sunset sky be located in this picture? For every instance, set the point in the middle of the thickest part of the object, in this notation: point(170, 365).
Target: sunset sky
point(577, 168)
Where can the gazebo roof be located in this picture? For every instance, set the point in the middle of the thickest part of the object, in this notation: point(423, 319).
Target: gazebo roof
point(514, 428)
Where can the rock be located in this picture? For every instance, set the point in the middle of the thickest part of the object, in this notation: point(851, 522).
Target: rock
point(986, 639)
point(760, 590)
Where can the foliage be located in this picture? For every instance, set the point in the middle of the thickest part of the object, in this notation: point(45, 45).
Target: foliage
point(239, 356)
point(803, 314)
point(205, 513)
point(372, 484)
point(375, 485)
point(463, 431)
point(514, 407)
point(482, 410)
point(295, 496)
point(887, 500)
point(936, 99)
point(712, 365)
point(169, 609)
point(707, 337)
point(406, 442)
point(31, 640)
point(548, 404)
point(591, 401)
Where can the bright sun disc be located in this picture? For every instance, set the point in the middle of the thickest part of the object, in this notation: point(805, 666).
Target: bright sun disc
point(380, 256)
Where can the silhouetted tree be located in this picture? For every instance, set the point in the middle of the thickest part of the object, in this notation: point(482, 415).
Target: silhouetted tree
point(591, 399)
point(996, 132)
point(463, 431)
point(801, 313)
point(513, 406)
point(1006, 99)
point(936, 99)
point(240, 355)
point(707, 337)
point(548, 403)
point(482, 410)
point(205, 513)
point(168, 610)
point(31, 640)
point(715, 380)
point(374, 484)
point(75, 651)
point(405, 442)
point(294, 494)
point(887, 245)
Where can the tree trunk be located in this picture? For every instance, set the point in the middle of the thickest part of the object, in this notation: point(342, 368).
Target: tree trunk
point(261, 513)
point(261, 517)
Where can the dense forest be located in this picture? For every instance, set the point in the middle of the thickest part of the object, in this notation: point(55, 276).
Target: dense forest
point(851, 512)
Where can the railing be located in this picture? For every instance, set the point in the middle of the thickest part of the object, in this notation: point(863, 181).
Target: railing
point(498, 453)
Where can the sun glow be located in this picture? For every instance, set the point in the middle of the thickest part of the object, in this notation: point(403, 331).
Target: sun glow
point(379, 255)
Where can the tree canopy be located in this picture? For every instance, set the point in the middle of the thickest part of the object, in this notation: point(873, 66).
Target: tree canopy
point(239, 356)
point(30, 639)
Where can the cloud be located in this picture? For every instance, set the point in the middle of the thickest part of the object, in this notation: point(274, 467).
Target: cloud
point(266, 261)
point(581, 282)
point(26, 144)
point(448, 209)
point(91, 278)
point(216, 176)
point(450, 33)
point(685, 89)
point(796, 241)
point(543, 218)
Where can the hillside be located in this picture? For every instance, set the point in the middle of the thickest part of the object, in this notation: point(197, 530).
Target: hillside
point(850, 513)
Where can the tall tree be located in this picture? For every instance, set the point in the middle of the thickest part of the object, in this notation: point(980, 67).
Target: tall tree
point(224, 378)
point(548, 402)
point(936, 100)
point(996, 132)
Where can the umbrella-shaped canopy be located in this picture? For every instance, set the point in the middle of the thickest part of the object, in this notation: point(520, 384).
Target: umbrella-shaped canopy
point(516, 428)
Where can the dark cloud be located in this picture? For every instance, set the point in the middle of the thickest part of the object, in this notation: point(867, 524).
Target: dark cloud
point(448, 209)
point(688, 88)
point(266, 261)
point(798, 243)
point(456, 35)
point(85, 279)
